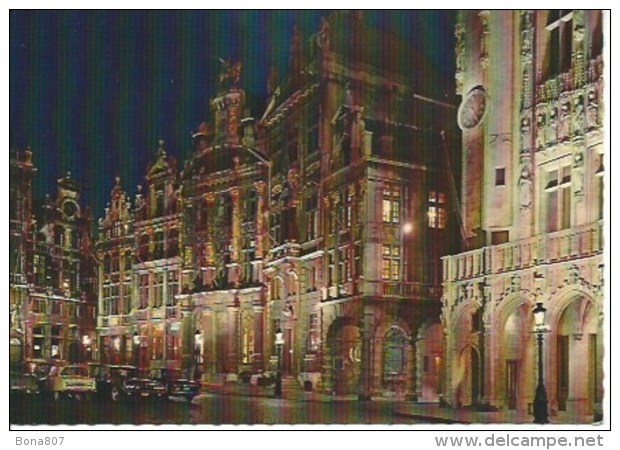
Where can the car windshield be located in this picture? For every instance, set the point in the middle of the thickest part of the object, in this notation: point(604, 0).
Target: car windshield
point(156, 374)
point(124, 372)
point(73, 371)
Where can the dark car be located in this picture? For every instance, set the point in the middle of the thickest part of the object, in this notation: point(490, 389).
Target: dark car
point(177, 382)
point(111, 380)
point(22, 385)
point(141, 385)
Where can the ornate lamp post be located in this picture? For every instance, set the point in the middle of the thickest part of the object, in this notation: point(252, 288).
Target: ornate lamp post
point(541, 412)
point(277, 392)
point(198, 353)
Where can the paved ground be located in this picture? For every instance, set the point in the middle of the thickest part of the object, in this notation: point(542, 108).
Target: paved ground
point(207, 409)
point(235, 403)
point(435, 413)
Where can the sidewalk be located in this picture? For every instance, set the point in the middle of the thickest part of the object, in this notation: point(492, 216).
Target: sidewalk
point(424, 412)
point(433, 413)
point(290, 391)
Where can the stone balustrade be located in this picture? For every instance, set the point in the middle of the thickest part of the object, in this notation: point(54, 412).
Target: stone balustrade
point(572, 243)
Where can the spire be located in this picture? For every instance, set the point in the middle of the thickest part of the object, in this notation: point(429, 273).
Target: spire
point(161, 150)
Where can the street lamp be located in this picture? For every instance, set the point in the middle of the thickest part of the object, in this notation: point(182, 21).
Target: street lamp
point(197, 353)
point(277, 392)
point(86, 343)
point(541, 412)
point(136, 344)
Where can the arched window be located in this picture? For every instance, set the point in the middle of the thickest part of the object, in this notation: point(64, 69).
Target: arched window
point(394, 354)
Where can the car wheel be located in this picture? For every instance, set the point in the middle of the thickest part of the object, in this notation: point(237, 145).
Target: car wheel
point(115, 394)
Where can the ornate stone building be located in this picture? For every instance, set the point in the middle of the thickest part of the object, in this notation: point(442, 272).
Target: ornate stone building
point(21, 244)
point(115, 250)
point(52, 284)
point(532, 203)
point(326, 219)
point(226, 240)
point(360, 212)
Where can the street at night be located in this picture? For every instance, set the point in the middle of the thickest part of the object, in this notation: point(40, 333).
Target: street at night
point(257, 217)
point(207, 409)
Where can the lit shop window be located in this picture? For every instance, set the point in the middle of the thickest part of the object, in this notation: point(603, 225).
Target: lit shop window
point(436, 209)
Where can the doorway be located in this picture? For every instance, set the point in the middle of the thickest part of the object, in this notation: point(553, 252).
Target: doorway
point(562, 371)
point(511, 383)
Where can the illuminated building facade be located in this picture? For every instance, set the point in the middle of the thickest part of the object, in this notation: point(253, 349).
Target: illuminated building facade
point(532, 207)
point(52, 286)
point(326, 219)
point(360, 212)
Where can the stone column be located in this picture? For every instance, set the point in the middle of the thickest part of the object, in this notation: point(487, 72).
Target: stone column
point(262, 237)
point(232, 338)
point(187, 339)
point(259, 326)
point(209, 345)
point(211, 217)
point(366, 375)
point(236, 225)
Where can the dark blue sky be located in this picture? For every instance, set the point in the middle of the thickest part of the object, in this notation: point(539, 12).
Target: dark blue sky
point(92, 91)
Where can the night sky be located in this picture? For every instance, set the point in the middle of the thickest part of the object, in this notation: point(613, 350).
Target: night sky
point(92, 92)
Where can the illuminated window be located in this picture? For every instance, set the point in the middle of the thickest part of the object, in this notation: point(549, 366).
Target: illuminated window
point(391, 204)
point(391, 263)
point(312, 343)
point(436, 210)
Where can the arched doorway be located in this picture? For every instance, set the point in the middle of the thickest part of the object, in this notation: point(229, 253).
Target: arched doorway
point(516, 364)
point(469, 388)
point(395, 359)
point(577, 357)
point(429, 362)
point(346, 345)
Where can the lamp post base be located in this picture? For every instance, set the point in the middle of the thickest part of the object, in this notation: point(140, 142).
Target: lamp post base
point(277, 391)
point(541, 407)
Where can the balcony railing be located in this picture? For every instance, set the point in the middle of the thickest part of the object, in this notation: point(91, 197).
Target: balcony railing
point(562, 245)
point(398, 289)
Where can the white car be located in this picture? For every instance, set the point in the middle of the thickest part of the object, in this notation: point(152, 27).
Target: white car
point(71, 381)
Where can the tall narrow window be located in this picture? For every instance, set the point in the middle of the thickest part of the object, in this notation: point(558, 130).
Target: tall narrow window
point(391, 262)
point(560, 41)
point(500, 176)
point(312, 217)
point(144, 291)
point(558, 199)
point(391, 204)
point(437, 209)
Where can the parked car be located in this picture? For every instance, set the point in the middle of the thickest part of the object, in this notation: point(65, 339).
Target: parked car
point(141, 385)
point(177, 382)
point(70, 381)
point(22, 385)
point(111, 380)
